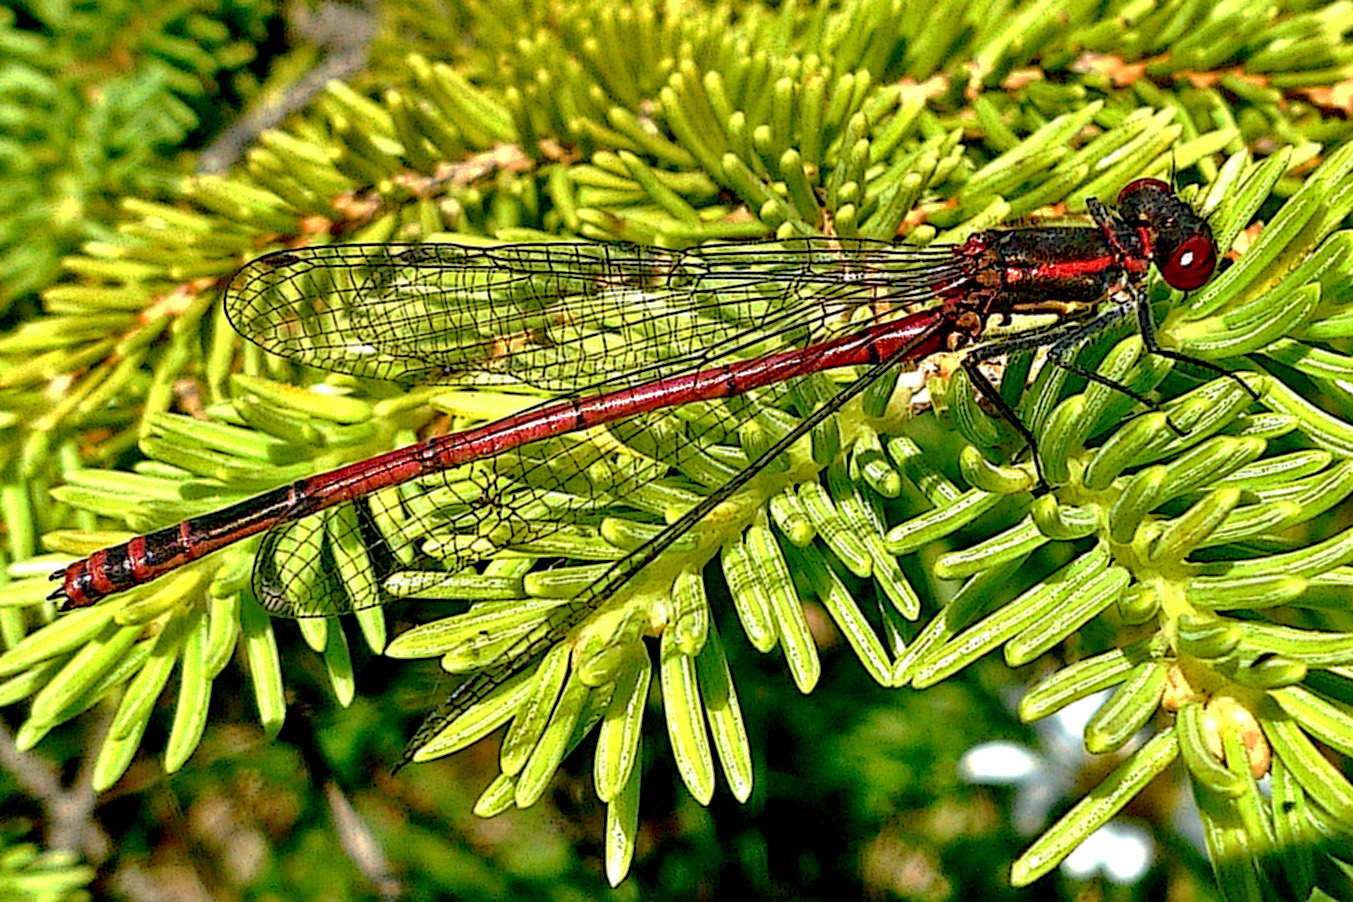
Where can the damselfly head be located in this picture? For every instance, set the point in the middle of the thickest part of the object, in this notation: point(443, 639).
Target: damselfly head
point(1180, 240)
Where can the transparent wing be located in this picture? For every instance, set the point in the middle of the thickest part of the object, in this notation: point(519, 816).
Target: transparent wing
point(558, 317)
point(583, 319)
point(526, 499)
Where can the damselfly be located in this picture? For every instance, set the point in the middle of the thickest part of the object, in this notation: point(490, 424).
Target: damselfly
point(629, 339)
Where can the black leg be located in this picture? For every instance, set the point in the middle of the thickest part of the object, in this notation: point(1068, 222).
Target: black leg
point(1146, 324)
point(1061, 340)
point(988, 391)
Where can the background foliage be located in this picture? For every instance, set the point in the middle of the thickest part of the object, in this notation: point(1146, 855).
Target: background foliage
point(666, 124)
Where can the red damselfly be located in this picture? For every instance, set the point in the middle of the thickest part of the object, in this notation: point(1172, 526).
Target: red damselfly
point(630, 338)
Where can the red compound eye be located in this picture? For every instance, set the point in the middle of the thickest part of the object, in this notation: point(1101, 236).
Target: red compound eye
point(1152, 189)
point(1190, 264)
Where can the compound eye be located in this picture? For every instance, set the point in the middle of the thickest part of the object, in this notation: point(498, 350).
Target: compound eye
point(1152, 189)
point(1191, 264)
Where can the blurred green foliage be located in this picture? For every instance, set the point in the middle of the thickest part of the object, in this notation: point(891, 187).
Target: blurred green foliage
point(103, 102)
